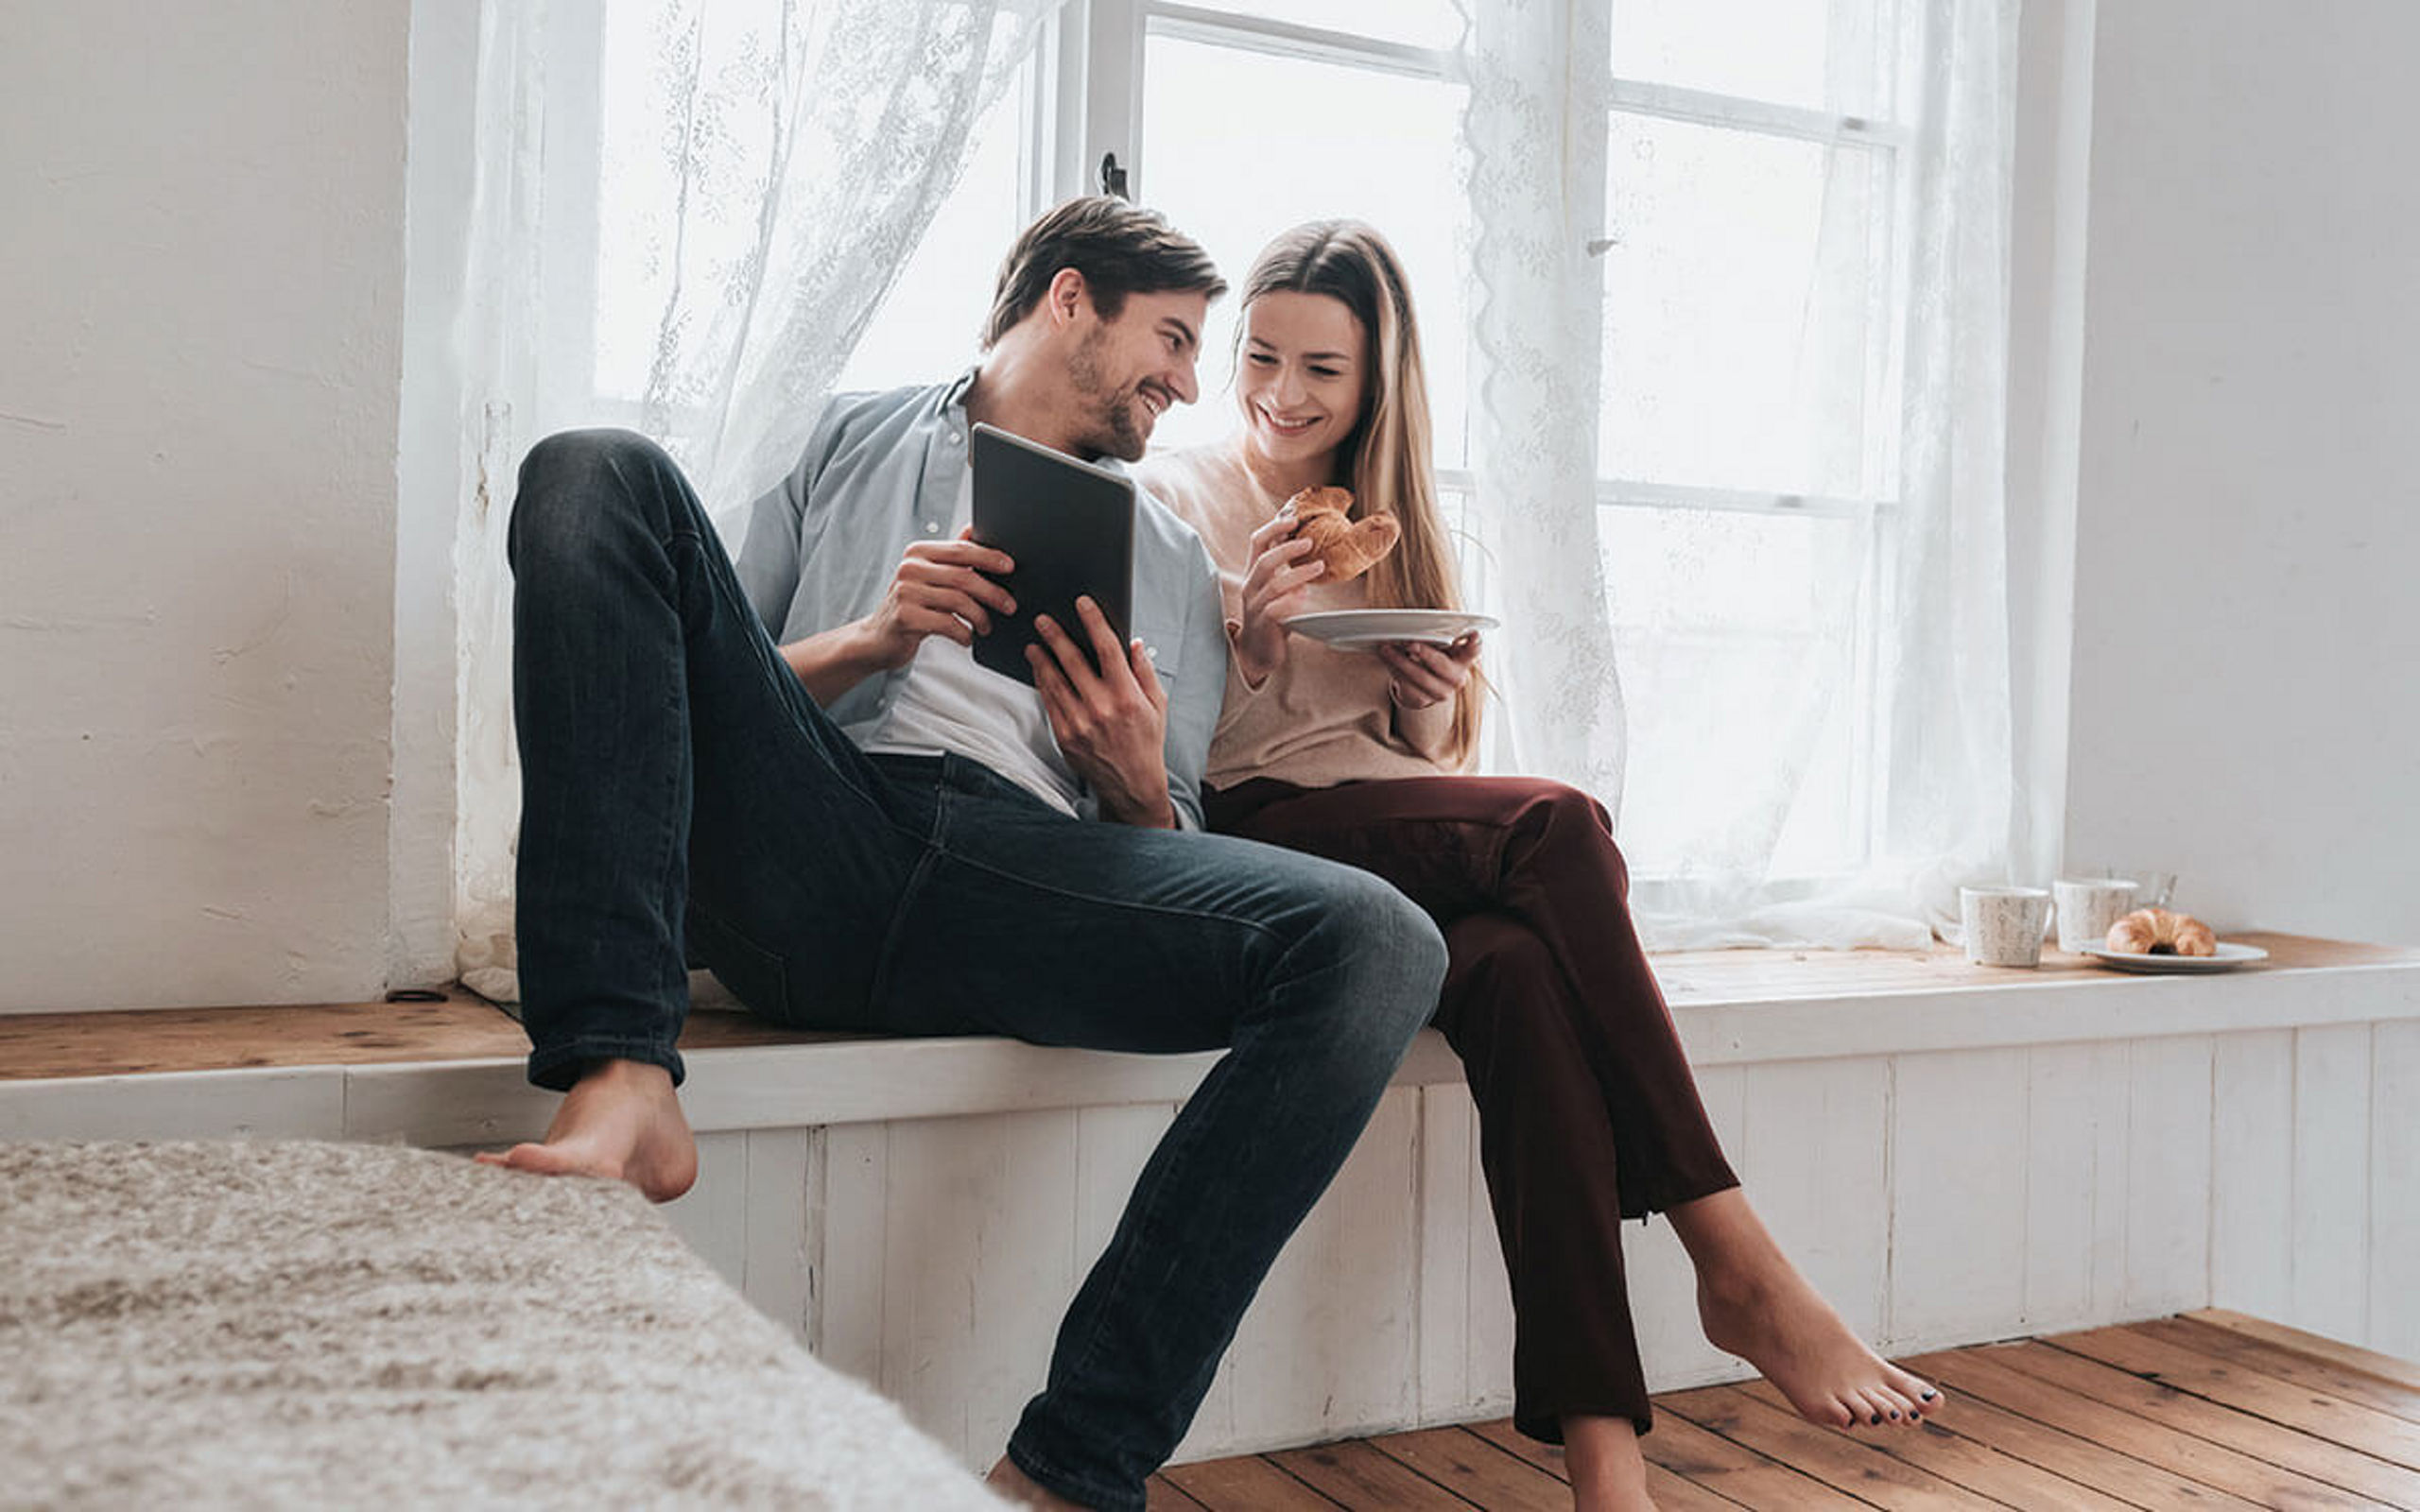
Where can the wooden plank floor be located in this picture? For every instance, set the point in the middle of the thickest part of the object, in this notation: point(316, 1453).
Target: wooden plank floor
point(2209, 1410)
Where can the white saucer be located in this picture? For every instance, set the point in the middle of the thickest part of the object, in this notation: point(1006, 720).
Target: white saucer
point(2227, 959)
point(1366, 629)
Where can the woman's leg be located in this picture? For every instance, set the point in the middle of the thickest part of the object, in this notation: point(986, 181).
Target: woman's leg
point(1543, 852)
point(1546, 1149)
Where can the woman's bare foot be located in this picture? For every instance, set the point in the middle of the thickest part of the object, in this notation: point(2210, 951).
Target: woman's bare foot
point(1754, 1303)
point(1019, 1487)
point(621, 1121)
point(1608, 1473)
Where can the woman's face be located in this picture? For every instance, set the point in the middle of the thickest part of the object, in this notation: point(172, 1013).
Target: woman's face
point(1302, 376)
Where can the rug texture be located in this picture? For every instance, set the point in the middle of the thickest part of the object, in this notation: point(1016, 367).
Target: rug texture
point(309, 1325)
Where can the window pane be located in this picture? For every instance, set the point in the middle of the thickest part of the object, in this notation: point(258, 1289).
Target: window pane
point(928, 326)
point(1741, 302)
point(1233, 177)
point(1738, 647)
point(931, 322)
point(1827, 55)
point(1418, 23)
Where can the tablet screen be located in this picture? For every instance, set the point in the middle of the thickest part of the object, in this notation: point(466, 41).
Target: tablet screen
point(1069, 526)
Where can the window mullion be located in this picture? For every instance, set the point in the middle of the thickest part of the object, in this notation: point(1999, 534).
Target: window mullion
point(1113, 94)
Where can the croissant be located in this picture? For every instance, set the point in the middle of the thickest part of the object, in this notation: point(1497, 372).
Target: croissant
point(2159, 932)
point(1349, 547)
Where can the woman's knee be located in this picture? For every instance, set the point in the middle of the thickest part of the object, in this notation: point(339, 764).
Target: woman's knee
point(1568, 821)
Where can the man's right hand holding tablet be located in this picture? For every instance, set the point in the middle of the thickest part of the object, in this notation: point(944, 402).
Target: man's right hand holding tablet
point(940, 587)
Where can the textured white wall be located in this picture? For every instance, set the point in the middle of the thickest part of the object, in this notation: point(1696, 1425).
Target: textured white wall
point(201, 270)
point(2246, 686)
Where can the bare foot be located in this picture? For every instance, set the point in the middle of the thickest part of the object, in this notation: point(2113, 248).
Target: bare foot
point(1754, 1303)
point(1017, 1487)
point(621, 1121)
point(1608, 1473)
point(1778, 1324)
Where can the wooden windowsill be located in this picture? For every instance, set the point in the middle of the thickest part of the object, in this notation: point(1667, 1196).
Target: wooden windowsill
point(451, 1072)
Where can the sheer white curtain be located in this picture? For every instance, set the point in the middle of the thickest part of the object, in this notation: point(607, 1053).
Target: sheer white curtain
point(686, 212)
point(1821, 758)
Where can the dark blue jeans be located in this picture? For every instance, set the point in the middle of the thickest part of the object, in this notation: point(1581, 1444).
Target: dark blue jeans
point(679, 785)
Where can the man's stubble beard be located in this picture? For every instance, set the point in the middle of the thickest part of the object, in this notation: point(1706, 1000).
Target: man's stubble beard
point(1110, 417)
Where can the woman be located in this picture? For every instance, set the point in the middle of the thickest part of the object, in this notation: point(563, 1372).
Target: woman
point(1588, 1113)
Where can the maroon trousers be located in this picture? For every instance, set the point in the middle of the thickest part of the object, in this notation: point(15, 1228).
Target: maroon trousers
point(1587, 1111)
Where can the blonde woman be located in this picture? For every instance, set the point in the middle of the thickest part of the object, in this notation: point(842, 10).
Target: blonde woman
point(1588, 1112)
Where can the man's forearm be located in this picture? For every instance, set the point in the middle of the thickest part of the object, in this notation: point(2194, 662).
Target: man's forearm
point(832, 661)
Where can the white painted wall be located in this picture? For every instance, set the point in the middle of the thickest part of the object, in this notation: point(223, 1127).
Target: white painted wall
point(2247, 637)
point(202, 274)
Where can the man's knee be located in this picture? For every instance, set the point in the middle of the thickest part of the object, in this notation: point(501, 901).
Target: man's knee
point(1402, 952)
point(567, 478)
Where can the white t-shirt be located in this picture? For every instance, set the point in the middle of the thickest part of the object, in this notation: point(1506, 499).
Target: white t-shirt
point(948, 702)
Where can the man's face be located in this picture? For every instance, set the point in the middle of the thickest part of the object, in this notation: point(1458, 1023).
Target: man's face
point(1124, 373)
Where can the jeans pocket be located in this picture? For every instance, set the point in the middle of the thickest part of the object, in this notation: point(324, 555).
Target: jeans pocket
point(758, 977)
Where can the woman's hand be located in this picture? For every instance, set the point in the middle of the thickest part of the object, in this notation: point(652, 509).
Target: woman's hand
point(1109, 715)
point(1272, 594)
point(1423, 676)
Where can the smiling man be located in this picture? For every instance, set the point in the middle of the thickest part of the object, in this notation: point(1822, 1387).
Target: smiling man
point(797, 770)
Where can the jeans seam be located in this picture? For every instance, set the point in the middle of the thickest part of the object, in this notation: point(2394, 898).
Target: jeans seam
point(1096, 900)
point(768, 655)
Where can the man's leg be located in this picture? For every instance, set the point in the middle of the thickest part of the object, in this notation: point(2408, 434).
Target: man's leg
point(1025, 923)
point(656, 721)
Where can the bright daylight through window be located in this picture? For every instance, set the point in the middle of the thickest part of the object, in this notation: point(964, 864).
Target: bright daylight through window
point(1746, 443)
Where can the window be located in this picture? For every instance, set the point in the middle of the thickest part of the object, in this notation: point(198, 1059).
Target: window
point(1747, 447)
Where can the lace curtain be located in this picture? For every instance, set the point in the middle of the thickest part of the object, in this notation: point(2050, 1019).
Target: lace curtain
point(1875, 714)
point(686, 211)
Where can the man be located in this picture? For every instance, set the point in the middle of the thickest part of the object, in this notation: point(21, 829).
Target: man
point(798, 769)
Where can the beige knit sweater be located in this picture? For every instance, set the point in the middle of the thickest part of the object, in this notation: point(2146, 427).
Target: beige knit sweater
point(1324, 716)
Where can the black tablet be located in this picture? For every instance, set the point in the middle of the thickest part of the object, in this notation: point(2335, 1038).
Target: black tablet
point(1070, 527)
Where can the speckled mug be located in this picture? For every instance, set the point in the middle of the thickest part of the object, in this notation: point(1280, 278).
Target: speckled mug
point(2088, 905)
point(2004, 926)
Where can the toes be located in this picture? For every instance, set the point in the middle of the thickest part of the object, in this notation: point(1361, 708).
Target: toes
point(1895, 1408)
point(1922, 1394)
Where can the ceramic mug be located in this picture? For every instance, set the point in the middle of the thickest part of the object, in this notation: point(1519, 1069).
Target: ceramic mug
point(2088, 905)
point(2004, 926)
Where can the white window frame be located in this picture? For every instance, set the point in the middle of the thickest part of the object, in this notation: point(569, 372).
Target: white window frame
point(1099, 49)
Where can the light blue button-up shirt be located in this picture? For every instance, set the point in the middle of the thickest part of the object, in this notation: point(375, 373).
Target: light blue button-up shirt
point(884, 470)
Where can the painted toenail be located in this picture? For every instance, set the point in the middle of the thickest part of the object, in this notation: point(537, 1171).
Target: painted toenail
point(1930, 1395)
point(1873, 1420)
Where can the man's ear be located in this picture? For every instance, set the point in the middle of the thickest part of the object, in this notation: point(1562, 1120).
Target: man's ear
point(1068, 298)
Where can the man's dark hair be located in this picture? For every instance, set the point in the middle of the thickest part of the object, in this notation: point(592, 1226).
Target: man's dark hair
point(1119, 248)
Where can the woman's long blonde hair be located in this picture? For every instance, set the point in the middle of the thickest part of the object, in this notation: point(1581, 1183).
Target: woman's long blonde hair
point(1385, 460)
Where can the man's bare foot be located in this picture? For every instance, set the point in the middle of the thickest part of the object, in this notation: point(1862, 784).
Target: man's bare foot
point(1608, 1473)
point(1754, 1303)
point(621, 1121)
point(1017, 1487)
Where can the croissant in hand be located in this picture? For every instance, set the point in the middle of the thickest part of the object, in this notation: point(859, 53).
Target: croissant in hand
point(1349, 547)
point(2159, 932)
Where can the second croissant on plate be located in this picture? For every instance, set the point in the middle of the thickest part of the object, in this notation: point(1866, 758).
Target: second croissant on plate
point(2160, 931)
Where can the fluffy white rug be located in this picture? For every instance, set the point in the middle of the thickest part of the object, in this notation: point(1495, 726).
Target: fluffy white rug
point(299, 1325)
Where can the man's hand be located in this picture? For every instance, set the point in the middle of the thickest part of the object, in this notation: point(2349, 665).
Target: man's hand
point(938, 589)
point(1111, 724)
point(1272, 594)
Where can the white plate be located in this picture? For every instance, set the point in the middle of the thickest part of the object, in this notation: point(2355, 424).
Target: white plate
point(2227, 959)
point(1366, 629)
